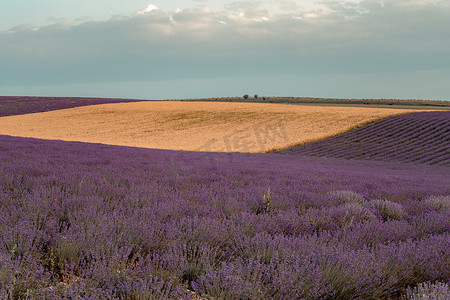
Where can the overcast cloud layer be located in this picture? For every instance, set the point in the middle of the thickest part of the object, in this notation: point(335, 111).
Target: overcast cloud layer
point(354, 49)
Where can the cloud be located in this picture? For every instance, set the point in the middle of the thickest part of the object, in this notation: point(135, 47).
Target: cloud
point(148, 9)
point(244, 39)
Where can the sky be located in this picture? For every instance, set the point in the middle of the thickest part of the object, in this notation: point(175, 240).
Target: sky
point(202, 48)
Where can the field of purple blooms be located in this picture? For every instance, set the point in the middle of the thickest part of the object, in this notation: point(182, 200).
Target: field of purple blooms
point(92, 221)
point(19, 105)
point(422, 137)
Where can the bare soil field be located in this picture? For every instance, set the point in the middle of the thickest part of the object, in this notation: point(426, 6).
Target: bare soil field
point(195, 126)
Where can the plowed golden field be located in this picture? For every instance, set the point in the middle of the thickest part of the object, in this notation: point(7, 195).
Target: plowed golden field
point(194, 126)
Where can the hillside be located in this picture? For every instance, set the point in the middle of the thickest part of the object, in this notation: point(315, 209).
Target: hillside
point(421, 137)
point(194, 126)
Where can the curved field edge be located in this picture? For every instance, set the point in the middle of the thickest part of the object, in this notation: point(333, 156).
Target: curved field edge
point(421, 137)
point(20, 105)
point(287, 148)
point(98, 221)
point(193, 126)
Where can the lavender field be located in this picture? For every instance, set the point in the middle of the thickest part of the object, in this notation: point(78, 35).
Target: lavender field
point(91, 221)
point(421, 137)
point(12, 105)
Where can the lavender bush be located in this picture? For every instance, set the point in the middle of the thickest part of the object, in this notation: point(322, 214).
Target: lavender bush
point(388, 209)
point(439, 202)
point(428, 291)
point(348, 197)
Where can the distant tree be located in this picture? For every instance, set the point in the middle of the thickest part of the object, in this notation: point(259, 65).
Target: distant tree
point(245, 96)
point(256, 96)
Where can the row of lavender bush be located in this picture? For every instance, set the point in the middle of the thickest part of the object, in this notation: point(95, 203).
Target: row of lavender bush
point(89, 221)
point(19, 105)
point(422, 137)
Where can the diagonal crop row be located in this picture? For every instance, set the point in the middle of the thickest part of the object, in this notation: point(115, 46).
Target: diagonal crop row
point(422, 137)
